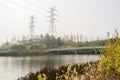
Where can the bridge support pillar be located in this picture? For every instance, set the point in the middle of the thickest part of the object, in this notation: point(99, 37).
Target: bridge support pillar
point(95, 51)
point(75, 52)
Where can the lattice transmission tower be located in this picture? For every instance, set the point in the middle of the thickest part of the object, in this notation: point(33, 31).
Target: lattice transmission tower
point(52, 20)
point(32, 26)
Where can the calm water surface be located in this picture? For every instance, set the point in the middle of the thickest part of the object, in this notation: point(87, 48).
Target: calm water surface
point(13, 67)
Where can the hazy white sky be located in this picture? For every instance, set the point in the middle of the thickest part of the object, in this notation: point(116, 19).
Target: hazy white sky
point(88, 17)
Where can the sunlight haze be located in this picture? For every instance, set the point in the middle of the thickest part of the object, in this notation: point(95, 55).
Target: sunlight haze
point(90, 18)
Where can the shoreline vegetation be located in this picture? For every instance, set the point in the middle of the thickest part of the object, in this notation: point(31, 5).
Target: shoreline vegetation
point(83, 71)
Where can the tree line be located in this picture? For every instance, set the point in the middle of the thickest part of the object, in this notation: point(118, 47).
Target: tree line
point(48, 41)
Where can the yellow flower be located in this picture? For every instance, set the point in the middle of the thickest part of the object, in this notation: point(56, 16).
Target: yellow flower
point(78, 64)
point(69, 68)
point(74, 70)
point(42, 78)
point(39, 77)
point(57, 77)
point(119, 70)
point(66, 77)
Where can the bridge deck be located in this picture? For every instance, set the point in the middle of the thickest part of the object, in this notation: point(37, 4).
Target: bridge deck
point(78, 49)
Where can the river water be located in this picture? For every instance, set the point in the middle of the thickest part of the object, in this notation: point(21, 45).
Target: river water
point(13, 67)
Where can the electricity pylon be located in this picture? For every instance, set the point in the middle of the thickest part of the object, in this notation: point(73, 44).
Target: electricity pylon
point(52, 19)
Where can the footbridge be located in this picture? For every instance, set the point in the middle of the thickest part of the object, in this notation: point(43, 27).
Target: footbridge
point(77, 50)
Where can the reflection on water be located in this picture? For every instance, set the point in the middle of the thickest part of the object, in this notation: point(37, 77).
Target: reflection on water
point(13, 67)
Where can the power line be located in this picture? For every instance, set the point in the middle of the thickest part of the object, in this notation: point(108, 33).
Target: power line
point(21, 13)
point(13, 10)
point(17, 4)
point(52, 2)
point(39, 1)
point(33, 4)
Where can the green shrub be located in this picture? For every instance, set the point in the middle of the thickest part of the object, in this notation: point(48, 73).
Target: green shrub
point(18, 47)
point(110, 56)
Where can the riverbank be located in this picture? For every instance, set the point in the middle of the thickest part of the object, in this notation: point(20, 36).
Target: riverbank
point(23, 53)
point(84, 71)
